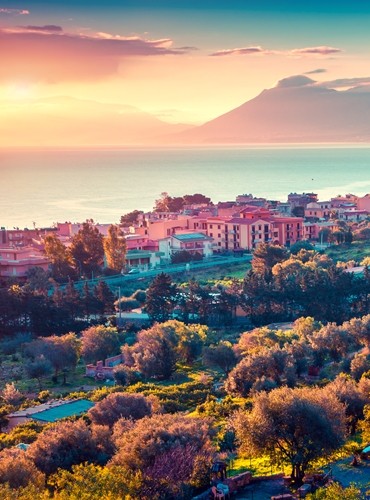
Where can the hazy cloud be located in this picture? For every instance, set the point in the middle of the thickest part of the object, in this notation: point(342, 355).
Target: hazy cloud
point(301, 80)
point(345, 82)
point(295, 81)
point(316, 71)
point(322, 50)
point(241, 51)
point(48, 28)
point(14, 12)
point(47, 53)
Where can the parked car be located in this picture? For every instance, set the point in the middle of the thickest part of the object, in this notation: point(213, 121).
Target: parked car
point(134, 270)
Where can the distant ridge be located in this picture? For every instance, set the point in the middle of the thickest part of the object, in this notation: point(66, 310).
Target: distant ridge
point(297, 110)
point(62, 121)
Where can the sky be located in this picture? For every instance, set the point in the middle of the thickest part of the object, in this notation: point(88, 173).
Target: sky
point(183, 62)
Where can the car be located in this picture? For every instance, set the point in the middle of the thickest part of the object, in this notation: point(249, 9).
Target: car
point(134, 270)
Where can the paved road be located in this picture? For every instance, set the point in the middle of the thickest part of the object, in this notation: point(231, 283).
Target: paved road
point(119, 279)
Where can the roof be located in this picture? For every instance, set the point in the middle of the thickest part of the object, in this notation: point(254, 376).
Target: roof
point(55, 410)
point(190, 236)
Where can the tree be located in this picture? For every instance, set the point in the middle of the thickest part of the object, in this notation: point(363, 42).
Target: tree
point(115, 249)
point(188, 339)
point(161, 298)
point(171, 451)
point(154, 354)
point(360, 329)
point(265, 256)
point(348, 393)
point(63, 445)
point(99, 342)
point(221, 356)
point(87, 248)
point(60, 258)
point(18, 470)
point(130, 218)
point(38, 368)
point(299, 245)
point(93, 482)
point(104, 297)
point(11, 395)
point(120, 405)
point(196, 199)
point(334, 491)
point(295, 426)
point(38, 280)
point(62, 352)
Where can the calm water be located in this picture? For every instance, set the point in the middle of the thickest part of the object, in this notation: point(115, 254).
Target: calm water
point(49, 186)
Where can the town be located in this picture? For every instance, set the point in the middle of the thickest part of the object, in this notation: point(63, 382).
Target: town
point(200, 229)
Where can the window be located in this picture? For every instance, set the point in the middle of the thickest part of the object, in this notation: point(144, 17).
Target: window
point(211, 226)
point(211, 235)
point(219, 235)
point(219, 227)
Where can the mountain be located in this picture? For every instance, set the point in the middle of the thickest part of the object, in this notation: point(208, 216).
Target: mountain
point(297, 110)
point(66, 121)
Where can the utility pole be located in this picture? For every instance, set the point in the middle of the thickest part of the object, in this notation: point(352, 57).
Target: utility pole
point(119, 306)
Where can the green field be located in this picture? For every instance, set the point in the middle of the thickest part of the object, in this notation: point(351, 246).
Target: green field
point(356, 251)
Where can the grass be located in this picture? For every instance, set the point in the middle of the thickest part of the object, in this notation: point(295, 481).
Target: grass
point(75, 379)
point(258, 466)
point(214, 275)
point(356, 251)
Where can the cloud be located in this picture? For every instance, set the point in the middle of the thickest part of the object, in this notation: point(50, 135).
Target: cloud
point(241, 51)
point(345, 82)
point(316, 71)
point(322, 50)
point(14, 12)
point(295, 81)
point(341, 83)
point(48, 28)
point(47, 53)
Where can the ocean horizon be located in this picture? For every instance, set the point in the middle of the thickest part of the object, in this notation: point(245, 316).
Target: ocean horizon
point(45, 186)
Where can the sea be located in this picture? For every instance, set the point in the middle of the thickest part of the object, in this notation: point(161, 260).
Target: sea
point(41, 187)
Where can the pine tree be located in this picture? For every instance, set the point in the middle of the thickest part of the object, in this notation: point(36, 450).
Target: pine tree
point(115, 249)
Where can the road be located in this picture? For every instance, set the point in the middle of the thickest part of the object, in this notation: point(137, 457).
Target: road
point(119, 279)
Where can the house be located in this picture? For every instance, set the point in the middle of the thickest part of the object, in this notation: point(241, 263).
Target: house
point(193, 243)
point(318, 210)
point(50, 412)
point(363, 203)
point(312, 230)
point(17, 261)
point(158, 229)
point(143, 259)
point(354, 215)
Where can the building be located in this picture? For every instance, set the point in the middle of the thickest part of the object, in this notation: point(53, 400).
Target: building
point(193, 243)
point(143, 259)
point(158, 229)
point(17, 261)
point(50, 412)
point(318, 210)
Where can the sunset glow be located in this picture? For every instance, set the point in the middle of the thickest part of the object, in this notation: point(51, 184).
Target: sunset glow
point(184, 64)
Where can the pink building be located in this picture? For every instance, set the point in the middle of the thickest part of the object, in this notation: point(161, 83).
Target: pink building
point(159, 229)
point(140, 242)
point(363, 203)
point(252, 227)
point(318, 210)
point(18, 261)
point(193, 243)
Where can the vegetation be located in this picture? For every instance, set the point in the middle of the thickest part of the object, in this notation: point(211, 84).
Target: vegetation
point(288, 386)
